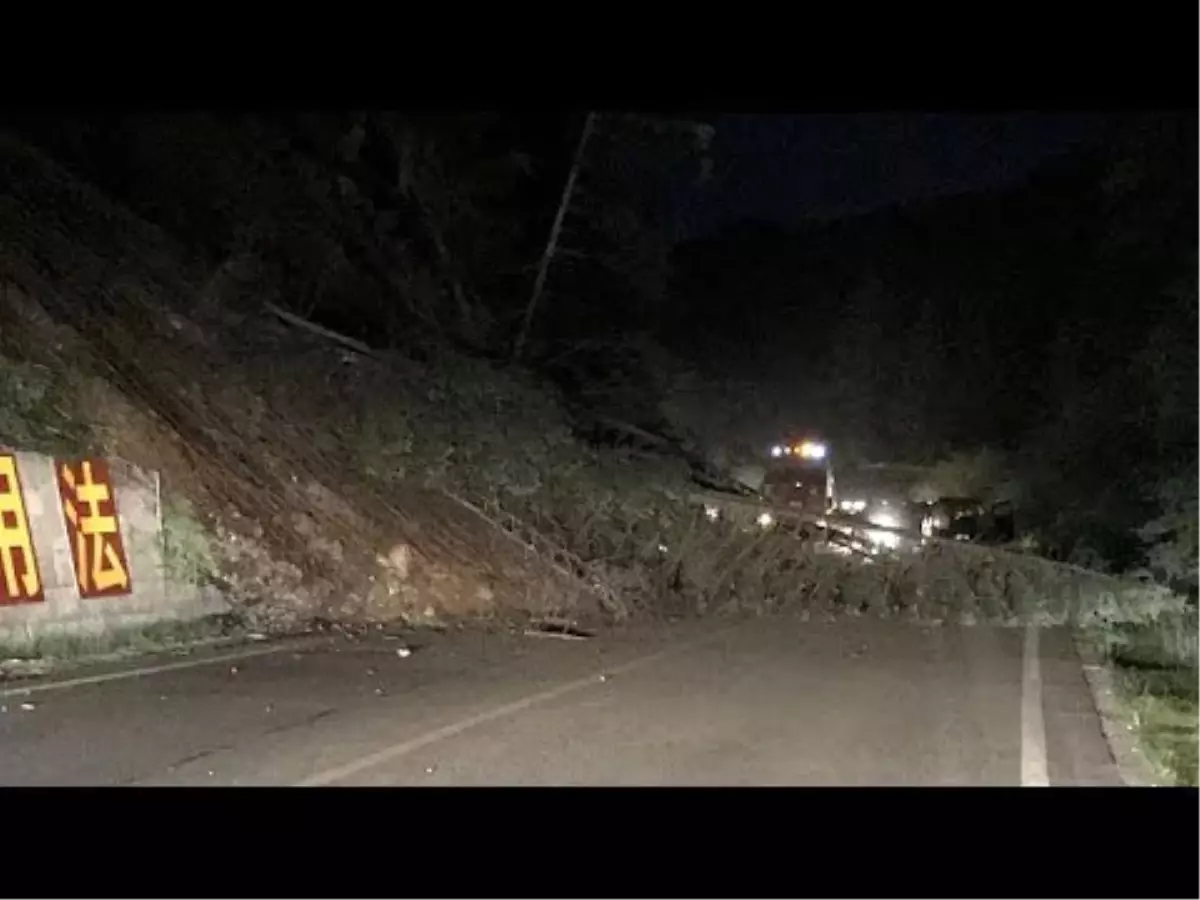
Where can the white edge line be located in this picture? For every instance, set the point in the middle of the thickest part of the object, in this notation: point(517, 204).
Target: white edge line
point(24, 690)
point(1034, 765)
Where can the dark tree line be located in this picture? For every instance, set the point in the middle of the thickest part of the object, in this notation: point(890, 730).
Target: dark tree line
point(404, 229)
point(1054, 322)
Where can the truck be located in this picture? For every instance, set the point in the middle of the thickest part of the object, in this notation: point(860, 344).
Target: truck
point(799, 474)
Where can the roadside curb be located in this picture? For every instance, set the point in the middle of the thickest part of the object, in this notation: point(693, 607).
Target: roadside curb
point(1132, 765)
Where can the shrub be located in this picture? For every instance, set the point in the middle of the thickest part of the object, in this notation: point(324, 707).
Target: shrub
point(188, 553)
point(36, 411)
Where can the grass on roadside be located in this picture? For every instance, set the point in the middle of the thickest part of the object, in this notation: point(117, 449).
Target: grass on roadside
point(1156, 674)
point(56, 651)
point(1166, 717)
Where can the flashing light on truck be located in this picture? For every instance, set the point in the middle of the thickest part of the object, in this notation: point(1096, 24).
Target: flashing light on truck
point(806, 450)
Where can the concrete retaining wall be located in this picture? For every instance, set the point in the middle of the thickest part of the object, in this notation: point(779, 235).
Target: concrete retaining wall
point(81, 550)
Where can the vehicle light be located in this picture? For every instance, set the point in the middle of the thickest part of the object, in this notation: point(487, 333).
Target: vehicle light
point(886, 539)
point(777, 451)
point(884, 519)
point(811, 450)
point(766, 520)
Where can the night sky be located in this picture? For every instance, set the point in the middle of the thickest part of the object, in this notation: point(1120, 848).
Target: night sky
point(789, 168)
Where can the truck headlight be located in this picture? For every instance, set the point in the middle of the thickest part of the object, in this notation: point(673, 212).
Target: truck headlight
point(812, 450)
point(884, 518)
point(888, 539)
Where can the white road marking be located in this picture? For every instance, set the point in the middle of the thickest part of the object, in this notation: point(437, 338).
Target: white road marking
point(1034, 767)
point(396, 751)
point(141, 671)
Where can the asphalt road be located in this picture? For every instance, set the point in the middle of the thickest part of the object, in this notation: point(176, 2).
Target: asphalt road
point(773, 701)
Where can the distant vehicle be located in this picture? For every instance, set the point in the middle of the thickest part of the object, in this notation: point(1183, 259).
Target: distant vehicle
point(1002, 522)
point(969, 519)
point(952, 518)
point(800, 475)
point(888, 514)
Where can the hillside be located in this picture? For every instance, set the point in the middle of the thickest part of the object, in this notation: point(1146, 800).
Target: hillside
point(333, 480)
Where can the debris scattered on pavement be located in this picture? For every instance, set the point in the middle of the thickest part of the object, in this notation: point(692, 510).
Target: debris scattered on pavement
point(24, 668)
point(604, 678)
point(256, 636)
point(270, 707)
point(403, 652)
point(29, 707)
point(233, 670)
point(562, 630)
point(379, 692)
point(371, 671)
point(429, 770)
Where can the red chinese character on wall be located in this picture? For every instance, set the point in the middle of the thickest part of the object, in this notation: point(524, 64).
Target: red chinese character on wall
point(90, 510)
point(20, 581)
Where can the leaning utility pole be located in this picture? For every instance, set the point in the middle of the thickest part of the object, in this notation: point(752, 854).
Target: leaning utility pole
point(539, 283)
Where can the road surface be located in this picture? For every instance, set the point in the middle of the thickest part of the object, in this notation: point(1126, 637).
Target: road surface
point(774, 701)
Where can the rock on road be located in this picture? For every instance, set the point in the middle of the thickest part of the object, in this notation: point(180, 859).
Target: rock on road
point(772, 701)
